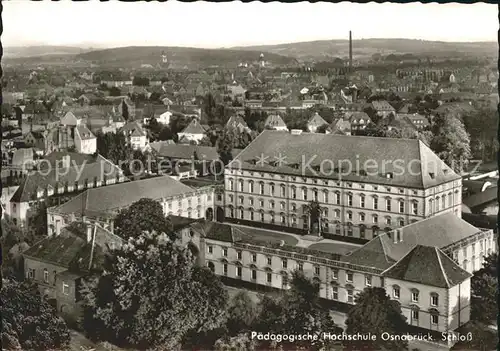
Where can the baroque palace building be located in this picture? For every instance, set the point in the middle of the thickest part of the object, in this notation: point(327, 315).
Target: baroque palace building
point(426, 266)
point(364, 185)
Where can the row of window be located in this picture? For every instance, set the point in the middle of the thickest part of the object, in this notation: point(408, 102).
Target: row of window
point(415, 296)
point(32, 275)
point(179, 203)
point(241, 186)
point(349, 197)
point(282, 218)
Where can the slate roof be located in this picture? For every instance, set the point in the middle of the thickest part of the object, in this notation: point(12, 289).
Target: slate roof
point(429, 266)
point(21, 156)
point(476, 186)
point(482, 198)
point(382, 105)
point(341, 125)
point(186, 152)
point(316, 148)
point(40, 180)
point(194, 127)
point(109, 199)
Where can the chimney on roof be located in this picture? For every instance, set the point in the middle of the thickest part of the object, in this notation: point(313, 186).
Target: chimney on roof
point(350, 51)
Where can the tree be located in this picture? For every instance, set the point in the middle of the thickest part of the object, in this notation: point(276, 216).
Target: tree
point(484, 291)
point(140, 300)
point(13, 243)
point(451, 141)
point(313, 210)
point(242, 314)
point(374, 312)
point(225, 146)
point(143, 215)
point(299, 311)
point(114, 91)
point(30, 322)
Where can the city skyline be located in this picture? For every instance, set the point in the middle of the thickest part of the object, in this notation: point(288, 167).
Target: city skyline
point(178, 24)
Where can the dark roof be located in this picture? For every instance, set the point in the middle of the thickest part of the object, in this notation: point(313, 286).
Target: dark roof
point(133, 128)
point(476, 186)
point(59, 250)
point(440, 231)
point(482, 198)
point(382, 105)
point(194, 127)
point(75, 157)
point(316, 148)
point(274, 121)
point(36, 181)
point(429, 266)
point(109, 199)
point(187, 151)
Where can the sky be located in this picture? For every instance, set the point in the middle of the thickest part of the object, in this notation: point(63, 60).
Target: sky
point(212, 25)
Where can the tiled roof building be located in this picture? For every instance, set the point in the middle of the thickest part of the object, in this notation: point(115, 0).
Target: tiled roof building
point(356, 180)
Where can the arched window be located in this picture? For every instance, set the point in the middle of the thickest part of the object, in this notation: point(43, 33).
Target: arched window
point(315, 194)
point(450, 199)
point(250, 186)
point(231, 212)
point(434, 299)
point(396, 291)
point(443, 202)
point(325, 196)
point(415, 295)
point(294, 192)
point(242, 213)
point(261, 188)
point(261, 215)
point(231, 184)
point(375, 231)
point(283, 219)
point(349, 229)
point(375, 202)
point(431, 206)
point(437, 204)
point(271, 189)
point(251, 213)
point(283, 190)
point(338, 229)
point(362, 231)
point(304, 194)
point(401, 206)
point(240, 183)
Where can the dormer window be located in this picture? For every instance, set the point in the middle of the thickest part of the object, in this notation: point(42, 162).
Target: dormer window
point(432, 175)
point(389, 175)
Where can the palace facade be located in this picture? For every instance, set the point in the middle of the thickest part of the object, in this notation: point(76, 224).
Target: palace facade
point(364, 185)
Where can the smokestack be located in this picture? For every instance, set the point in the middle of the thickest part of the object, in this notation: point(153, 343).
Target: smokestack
point(350, 51)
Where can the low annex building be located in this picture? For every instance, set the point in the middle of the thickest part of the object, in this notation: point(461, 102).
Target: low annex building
point(102, 205)
point(420, 265)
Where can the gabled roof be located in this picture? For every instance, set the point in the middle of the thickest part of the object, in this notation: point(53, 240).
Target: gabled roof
point(382, 105)
point(429, 266)
point(429, 171)
point(39, 180)
point(273, 121)
point(108, 199)
point(340, 124)
point(69, 119)
point(133, 129)
point(194, 127)
point(356, 116)
point(316, 120)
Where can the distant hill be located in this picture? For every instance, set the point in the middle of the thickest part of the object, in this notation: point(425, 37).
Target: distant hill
point(135, 56)
point(178, 56)
point(36, 51)
point(364, 48)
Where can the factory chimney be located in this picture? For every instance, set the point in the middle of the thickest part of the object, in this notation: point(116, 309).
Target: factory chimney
point(350, 51)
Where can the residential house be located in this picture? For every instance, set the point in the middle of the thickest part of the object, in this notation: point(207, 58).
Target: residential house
point(420, 122)
point(315, 122)
point(193, 132)
point(85, 141)
point(383, 108)
point(45, 140)
point(160, 113)
point(103, 205)
point(339, 126)
point(59, 263)
point(275, 122)
point(237, 123)
point(7, 193)
point(136, 135)
point(60, 178)
point(359, 120)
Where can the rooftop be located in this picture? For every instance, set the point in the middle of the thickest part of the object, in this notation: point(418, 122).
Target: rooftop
point(111, 198)
point(304, 154)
